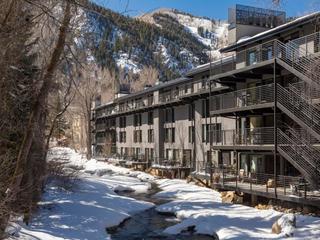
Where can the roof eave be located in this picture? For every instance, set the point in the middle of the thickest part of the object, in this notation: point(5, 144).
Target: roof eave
point(262, 37)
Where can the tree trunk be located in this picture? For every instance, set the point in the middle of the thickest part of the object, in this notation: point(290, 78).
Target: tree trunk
point(39, 106)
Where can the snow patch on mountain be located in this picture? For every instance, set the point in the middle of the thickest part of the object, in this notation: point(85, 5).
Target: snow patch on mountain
point(210, 32)
point(128, 63)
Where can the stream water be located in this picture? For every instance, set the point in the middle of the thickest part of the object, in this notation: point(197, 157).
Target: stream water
point(149, 224)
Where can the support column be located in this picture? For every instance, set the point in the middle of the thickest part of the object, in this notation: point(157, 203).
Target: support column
point(210, 134)
point(275, 129)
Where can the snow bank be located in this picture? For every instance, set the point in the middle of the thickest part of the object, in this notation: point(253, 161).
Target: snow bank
point(90, 208)
point(202, 208)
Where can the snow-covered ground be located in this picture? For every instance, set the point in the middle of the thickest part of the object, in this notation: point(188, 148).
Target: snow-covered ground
point(93, 205)
point(202, 208)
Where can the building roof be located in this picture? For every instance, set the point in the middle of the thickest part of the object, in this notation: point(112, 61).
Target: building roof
point(145, 91)
point(272, 32)
point(206, 67)
point(104, 105)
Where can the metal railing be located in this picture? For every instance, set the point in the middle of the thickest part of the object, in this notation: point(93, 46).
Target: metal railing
point(299, 107)
point(298, 58)
point(100, 127)
point(202, 167)
point(171, 163)
point(247, 136)
point(306, 91)
point(303, 156)
point(309, 43)
point(100, 139)
point(263, 182)
point(169, 96)
point(243, 98)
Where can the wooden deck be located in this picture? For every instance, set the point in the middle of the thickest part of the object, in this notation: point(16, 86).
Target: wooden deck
point(309, 198)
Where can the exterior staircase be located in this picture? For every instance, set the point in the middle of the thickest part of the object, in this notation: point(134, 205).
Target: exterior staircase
point(299, 61)
point(301, 154)
point(299, 109)
point(298, 105)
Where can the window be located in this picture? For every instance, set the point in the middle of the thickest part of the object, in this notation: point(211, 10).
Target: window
point(186, 158)
point(123, 122)
point(150, 136)
point(205, 82)
point(252, 58)
point(191, 110)
point(205, 108)
point(137, 120)
point(169, 115)
point(138, 151)
point(122, 136)
point(149, 154)
point(137, 136)
point(269, 52)
point(175, 156)
point(169, 135)
point(168, 154)
point(150, 100)
point(191, 134)
point(186, 88)
point(215, 130)
point(150, 118)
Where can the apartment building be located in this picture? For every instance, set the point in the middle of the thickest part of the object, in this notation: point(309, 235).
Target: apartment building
point(248, 122)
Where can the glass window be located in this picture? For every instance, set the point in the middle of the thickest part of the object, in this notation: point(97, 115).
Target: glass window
point(150, 136)
point(191, 134)
point(252, 58)
point(150, 118)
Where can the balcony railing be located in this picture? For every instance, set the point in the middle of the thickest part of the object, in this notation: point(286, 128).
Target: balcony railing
point(308, 44)
point(100, 127)
point(100, 140)
point(243, 98)
point(171, 163)
point(243, 137)
point(127, 107)
point(169, 96)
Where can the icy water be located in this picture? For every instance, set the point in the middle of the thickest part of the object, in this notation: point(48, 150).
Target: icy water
point(149, 224)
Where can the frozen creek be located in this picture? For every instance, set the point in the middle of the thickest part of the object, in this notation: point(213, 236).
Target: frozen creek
point(150, 224)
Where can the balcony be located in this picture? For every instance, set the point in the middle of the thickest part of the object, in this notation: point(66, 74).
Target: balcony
point(260, 138)
point(100, 127)
point(242, 100)
point(100, 140)
point(170, 96)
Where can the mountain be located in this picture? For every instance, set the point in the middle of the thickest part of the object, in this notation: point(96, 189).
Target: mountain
point(168, 40)
point(212, 33)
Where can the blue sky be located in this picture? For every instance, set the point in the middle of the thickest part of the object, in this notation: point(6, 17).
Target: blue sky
point(217, 9)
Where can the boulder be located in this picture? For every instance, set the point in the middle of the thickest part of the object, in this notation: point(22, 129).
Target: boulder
point(216, 178)
point(231, 197)
point(276, 228)
point(270, 183)
point(285, 225)
point(307, 210)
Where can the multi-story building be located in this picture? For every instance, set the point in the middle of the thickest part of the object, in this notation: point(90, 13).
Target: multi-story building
point(248, 122)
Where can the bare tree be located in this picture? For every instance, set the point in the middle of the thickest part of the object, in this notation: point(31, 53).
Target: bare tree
point(90, 80)
point(148, 76)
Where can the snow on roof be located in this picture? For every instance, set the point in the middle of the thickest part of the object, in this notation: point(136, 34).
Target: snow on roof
point(243, 39)
point(207, 65)
point(272, 30)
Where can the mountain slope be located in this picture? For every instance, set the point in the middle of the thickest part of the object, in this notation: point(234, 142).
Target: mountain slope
point(168, 40)
point(210, 32)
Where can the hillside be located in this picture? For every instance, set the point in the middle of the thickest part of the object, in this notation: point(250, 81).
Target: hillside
point(167, 40)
